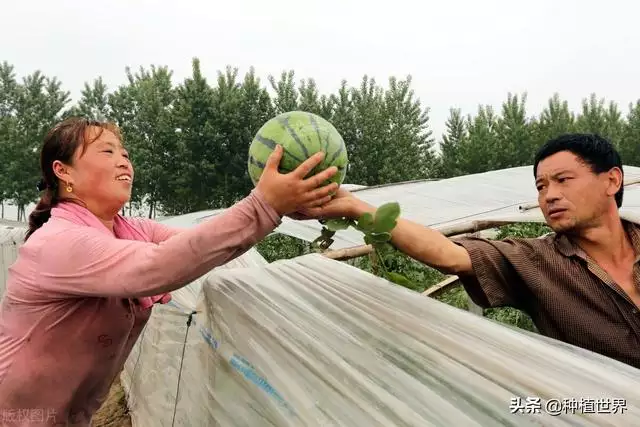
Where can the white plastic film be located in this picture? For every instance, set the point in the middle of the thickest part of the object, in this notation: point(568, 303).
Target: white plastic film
point(315, 342)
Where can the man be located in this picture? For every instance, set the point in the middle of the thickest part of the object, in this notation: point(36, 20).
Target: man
point(580, 284)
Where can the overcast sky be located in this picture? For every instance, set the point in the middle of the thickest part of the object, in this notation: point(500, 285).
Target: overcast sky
point(459, 52)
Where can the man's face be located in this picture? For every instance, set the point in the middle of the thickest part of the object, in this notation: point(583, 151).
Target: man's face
point(571, 196)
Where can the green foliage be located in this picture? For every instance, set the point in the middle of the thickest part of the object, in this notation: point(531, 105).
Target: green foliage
point(28, 109)
point(420, 277)
point(189, 141)
point(523, 230)
point(377, 229)
point(279, 246)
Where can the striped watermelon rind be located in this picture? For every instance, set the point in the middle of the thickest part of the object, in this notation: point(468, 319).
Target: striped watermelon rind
point(301, 134)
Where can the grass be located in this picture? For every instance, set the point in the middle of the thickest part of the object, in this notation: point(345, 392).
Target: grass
point(114, 411)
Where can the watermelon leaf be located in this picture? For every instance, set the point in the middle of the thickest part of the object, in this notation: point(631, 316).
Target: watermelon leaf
point(385, 217)
point(401, 280)
point(338, 224)
point(365, 222)
point(367, 239)
point(380, 237)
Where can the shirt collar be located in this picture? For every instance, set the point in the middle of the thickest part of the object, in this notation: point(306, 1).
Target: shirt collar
point(568, 248)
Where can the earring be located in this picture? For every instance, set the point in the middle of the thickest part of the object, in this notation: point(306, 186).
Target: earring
point(68, 188)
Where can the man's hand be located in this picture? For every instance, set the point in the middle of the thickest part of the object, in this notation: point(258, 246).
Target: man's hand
point(421, 243)
point(342, 204)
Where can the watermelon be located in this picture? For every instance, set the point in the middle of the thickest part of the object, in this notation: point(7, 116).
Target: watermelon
point(301, 135)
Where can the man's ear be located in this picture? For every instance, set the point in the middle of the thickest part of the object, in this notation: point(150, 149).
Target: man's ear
point(615, 180)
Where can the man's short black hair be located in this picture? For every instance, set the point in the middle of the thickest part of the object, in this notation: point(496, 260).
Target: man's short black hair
point(594, 150)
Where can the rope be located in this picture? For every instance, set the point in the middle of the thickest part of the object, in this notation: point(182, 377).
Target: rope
point(184, 345)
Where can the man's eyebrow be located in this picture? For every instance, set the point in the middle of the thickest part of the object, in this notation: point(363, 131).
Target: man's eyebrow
point(555, 174)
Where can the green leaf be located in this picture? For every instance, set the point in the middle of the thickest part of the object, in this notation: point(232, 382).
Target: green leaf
point(386, 216)
point(385, 248)
point(338, 224)
point(401, 280)
point(380, 237)
point(365, 222)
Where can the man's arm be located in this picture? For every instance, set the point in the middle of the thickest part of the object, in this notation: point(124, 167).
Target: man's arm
point(422, 243)
point(487, 269)
point(432, 248)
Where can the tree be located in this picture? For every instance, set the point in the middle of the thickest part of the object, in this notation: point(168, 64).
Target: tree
point(8, 100)
point(199, 147)
point(94, 102)
point(39, 105)
point(286, 95)
point(370, 124)
point(453, 140)
point(629, 146)
point(592, 118)
point(240, 110)
point(147, 106)
point(514, 145)
point(555, 120)
point(478, 151)
point(407, 139)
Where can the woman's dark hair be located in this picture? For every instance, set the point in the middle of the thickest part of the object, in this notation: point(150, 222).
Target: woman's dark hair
point(61, 143)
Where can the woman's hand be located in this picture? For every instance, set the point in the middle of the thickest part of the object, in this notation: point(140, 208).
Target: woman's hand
point(291, 192)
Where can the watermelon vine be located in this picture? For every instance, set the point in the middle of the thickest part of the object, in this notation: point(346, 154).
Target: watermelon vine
point(377, 229)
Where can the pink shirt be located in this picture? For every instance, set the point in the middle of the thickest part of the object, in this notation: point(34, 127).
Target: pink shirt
point(68, 319)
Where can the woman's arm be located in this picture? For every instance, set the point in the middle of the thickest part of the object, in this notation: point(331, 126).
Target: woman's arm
point(157, 231)
point(90, 263)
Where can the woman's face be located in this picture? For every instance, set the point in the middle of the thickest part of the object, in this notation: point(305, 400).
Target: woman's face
point(101, 176)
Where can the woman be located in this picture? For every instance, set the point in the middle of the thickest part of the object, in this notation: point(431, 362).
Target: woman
point(81, 289)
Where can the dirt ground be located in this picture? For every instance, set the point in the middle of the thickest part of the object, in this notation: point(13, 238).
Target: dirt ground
point(114, 412)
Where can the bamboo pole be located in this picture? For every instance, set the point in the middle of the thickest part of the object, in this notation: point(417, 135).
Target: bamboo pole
point(348, 253)
point(440, 288)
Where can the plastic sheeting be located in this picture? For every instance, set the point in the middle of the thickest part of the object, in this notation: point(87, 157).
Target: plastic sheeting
point(10, 240)
point(491, 196)
point(315, 342)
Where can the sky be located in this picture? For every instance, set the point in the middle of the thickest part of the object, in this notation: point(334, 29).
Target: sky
point(460, 53)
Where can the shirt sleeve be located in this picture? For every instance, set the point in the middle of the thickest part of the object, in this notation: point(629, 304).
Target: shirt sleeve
point(495, 281)
point(87, 262)
point(158, 231)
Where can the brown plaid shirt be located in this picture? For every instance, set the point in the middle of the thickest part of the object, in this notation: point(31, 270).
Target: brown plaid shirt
point(568, 296)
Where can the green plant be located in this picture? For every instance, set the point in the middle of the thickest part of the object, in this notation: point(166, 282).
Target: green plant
point(377, 229)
